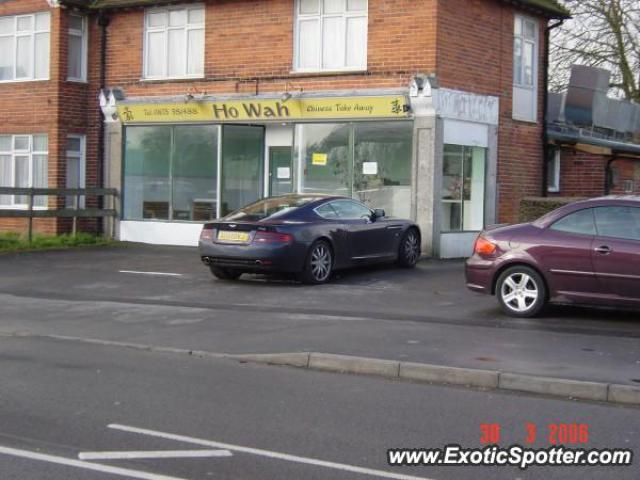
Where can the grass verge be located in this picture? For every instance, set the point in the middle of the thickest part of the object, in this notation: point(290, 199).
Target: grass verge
point(14, 242)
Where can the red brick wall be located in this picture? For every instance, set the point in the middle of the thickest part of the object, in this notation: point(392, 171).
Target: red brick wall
point(55, 107)
point(582, 174)
point(475, 53)
point(254, 39)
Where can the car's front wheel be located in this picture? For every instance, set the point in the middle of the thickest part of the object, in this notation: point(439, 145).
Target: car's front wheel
point(409, 250)
point(225, 273)
point(318, 265)
point(521, 291)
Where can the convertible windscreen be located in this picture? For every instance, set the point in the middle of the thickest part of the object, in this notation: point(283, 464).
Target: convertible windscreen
point(269, 208)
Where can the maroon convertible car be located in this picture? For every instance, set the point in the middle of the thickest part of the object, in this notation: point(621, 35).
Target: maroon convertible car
point(587, 252)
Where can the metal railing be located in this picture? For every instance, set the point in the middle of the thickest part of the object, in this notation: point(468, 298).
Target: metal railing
point(31, 211)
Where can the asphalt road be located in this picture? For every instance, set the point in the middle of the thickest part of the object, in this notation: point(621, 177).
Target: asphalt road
point(59, 399)
point(164, 296)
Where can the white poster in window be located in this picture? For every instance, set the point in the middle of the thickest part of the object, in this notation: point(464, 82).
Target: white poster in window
point(369, 168)
point(283, 173)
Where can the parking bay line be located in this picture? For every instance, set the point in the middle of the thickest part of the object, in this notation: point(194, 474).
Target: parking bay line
point(158, 274)
point(266, 453)
point(153, 454)
point(96, 467)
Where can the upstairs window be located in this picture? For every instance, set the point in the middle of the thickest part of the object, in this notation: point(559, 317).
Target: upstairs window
point(525, 70)
point(77, 51)
point(24, 47)
point(174, 43)
point(330, 35)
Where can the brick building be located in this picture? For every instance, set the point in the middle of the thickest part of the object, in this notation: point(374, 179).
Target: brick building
point(431, 109)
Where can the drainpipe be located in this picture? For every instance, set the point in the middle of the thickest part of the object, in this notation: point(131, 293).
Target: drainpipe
point(546, 151)
point(103, 22)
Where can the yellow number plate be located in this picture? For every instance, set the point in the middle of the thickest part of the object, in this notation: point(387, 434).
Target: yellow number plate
point(240, 237)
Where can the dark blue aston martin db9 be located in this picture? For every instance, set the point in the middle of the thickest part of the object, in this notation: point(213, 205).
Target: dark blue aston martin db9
point(308, 235)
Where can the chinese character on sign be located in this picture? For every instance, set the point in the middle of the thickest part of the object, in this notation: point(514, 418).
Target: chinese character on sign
point(396, 108)
point(127, 114)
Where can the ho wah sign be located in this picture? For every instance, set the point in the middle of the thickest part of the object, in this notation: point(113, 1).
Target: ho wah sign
point(268, 109)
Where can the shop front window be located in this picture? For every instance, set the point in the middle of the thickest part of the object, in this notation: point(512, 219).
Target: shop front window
point(170, 173)
point(382, 173)
point(463, 188)
point(367, 161)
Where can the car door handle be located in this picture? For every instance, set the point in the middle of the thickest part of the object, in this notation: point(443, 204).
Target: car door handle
point(603, 250)
point(394, 227)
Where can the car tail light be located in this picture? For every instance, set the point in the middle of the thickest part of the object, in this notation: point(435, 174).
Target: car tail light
point(484, 246)
point(272, 237)
point(206, 235)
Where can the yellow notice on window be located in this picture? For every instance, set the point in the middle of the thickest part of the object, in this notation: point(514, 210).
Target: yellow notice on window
point(319, 159)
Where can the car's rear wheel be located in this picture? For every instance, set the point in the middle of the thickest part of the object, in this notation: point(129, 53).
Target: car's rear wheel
point(409, 249)
point(225, 273)
point(318, 265)
point(521, 291)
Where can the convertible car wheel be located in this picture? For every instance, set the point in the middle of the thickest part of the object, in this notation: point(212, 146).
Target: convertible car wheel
point(225, 273)
point(319, 264)
point(409, 252)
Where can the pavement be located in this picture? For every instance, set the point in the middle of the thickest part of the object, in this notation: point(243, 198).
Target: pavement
point(164, 296)
point(65, 403)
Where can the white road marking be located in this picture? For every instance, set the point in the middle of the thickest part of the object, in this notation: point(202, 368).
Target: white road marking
point(160, 274)
point(122, 472)
point(267, 453)
point(153, 454)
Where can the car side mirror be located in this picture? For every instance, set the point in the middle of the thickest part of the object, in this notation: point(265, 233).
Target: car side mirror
point(378, 213)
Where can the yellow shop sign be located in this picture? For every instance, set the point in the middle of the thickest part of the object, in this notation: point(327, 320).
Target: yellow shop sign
point(271, 109)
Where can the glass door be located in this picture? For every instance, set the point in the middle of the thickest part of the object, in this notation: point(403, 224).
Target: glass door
point(242, 166)
point(280, 171)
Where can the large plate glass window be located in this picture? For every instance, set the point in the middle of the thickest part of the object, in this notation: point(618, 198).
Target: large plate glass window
point(525, 54)
point(24, 47)
point(170, 172)
point(331, 35)
point(369, 161)
point(77, 51)
point(382, 171)
point(463, 188)
point(23, 164)
point(174, 42)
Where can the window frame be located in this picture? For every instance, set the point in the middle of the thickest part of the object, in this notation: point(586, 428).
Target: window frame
point(555, 164)
point(320, 15)
point(462, 200)
point(29, 152)
point(520, 85)
point(81, 156)
point(165, 29)
point(84, 36)
point(32, 33)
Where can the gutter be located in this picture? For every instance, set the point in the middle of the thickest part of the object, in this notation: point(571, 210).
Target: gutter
point(546, 151)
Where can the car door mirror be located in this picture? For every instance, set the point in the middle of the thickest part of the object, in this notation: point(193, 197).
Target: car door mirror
point(378, 213)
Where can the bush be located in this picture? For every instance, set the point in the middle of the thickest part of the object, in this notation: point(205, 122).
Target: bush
point(533, 208)
point(14, 242)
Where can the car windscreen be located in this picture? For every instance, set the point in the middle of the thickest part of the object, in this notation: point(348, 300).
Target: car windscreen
point(269, 208)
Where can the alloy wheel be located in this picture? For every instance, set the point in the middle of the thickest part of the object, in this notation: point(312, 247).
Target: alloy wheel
point(519, 292)
point(411, 248)
point(321, 263)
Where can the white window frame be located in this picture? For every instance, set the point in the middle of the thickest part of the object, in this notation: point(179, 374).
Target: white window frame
point(81, 156)
point(165, 30)
point(32, 34)
point(84, 36)
point(554, 166)
point(29, 152)
point(532, 88)
point(321, 16)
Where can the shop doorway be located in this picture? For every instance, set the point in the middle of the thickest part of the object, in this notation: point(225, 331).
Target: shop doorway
point(242, 166)
point(280, 170)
